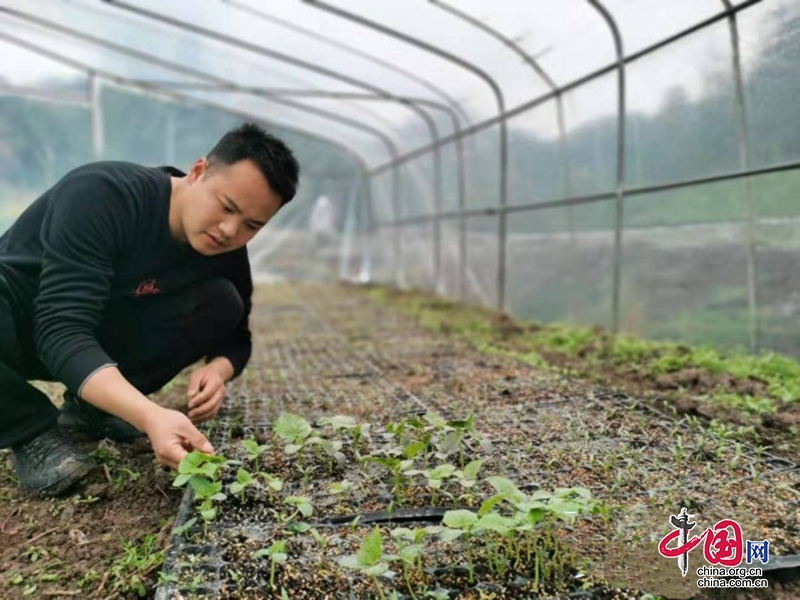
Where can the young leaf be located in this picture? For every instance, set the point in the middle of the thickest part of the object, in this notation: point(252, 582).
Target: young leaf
point(472, 469)
point(291, 427)
point(442, 472)
point(460, 519)
point(181, 479)
point(413, 449)
point(203, 488)
point(339, 422)
point(371, 548)
point(302, 503)
point(448, 535)
point(506, 487)
point(490, 503)
point(495, 522)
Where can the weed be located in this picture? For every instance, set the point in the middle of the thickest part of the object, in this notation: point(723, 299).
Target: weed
point(130, 572)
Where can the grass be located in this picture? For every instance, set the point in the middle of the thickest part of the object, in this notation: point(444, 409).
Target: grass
point(586, 348)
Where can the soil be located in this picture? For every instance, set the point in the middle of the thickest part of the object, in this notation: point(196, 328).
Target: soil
point(323, 350)
point(66, 547)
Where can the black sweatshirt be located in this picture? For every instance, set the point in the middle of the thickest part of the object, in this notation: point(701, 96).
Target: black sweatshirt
point(102, 233)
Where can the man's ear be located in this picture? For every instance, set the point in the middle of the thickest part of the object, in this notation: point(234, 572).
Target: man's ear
point(198, 169)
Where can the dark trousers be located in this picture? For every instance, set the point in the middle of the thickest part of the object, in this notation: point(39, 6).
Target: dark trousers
point(151, 339)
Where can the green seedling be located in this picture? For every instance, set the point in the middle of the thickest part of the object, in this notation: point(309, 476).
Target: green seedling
point(197, 465)
point(505, 527)
point(293, 429)
point(357, 431)
point(274, 484)
point(468, 477)
point(370, 559)
point(340, 489)
point(87, 578)
point(244, 479)
point(332, 449)
point(254, 451)
point(409, 542)
point(397, 469)
point(302, 506)
point(460, 523)
point(183, 529)
point(131, 571)
point(277, 554)
point(460, 429)
point(437, 477)
point(200, 471)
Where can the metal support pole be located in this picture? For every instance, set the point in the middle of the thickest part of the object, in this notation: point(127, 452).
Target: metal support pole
point(170, 134)
point(96, 107)
point(365, 270)
point(498, 94)
point(534, 64)
point(178, 68)
point(226, 39)
point(620, 183)
point(747, 192)
point(526, 106)
point(265, 16)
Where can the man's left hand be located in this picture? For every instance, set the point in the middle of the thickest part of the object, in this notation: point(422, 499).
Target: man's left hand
point(206, 391)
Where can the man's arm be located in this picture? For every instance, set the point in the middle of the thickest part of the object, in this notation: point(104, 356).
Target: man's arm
point(223, 367)
point(169, 431)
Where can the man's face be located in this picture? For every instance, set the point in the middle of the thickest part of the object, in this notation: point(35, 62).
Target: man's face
point(226, 206)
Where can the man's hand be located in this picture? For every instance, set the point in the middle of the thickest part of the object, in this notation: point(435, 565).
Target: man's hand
point(173, 436)
point(206, 389)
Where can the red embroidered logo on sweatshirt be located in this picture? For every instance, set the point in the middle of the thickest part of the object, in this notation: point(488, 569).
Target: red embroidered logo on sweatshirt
point(147, 288)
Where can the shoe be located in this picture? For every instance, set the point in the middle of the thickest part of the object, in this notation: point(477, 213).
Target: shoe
point(49, 464)
point(83, 418)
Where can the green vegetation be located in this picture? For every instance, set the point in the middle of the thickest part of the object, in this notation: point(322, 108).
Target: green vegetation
point(131, 571)
point(495, 533)
point(769, 379)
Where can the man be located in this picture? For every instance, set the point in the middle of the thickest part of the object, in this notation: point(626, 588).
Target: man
point(117, 278)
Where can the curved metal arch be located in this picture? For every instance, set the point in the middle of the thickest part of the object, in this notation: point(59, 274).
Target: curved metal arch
point(301, 64)
point(208, 77)
point(529, 60)
point(499, 98)
point(92, 73)
point(533, 63)
point(355, 52)
point(179, 68)
point(256, 49)
point(185, 70)
point(149, 87)
point(43, 95)
point(620, 179)
point(525, 106)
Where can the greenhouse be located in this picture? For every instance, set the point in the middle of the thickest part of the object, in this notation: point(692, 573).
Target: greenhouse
point(535, 296)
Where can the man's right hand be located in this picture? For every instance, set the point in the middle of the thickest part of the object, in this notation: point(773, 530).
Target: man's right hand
point(173, 436)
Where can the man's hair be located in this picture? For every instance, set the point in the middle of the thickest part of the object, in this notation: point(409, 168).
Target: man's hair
point(272, 157)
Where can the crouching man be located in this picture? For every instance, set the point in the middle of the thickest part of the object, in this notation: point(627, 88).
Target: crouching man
point(116, 279)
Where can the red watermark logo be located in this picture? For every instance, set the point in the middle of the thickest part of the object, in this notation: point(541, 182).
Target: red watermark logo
point(723, 544)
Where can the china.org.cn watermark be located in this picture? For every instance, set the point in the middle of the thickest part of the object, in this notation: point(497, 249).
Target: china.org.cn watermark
point(724, 548)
